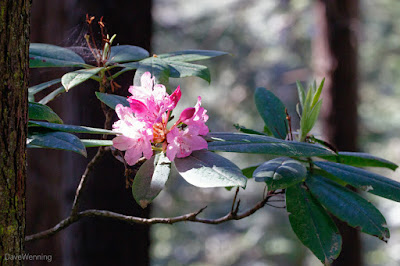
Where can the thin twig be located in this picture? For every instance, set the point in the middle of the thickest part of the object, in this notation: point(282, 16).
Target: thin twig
point(190, 217)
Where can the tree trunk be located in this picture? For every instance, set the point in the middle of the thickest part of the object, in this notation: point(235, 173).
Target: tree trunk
point(14, 67)
point(335, 57)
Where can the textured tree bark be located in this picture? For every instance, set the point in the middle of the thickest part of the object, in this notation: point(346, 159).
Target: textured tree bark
point(335, 58)
point(14, 67)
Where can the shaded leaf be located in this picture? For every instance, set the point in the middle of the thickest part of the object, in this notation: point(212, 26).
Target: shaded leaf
point(37, 88)
point(360, 159)
point(245, 143)
point(39, 111)
point(127, 53)
point(207, 169)
point(312, 224)
point(150, 179)
point(248, 131)
point(272, 112)
point(248, 171)
point(111, 100)
point(49, 97)
point(72, 128)
point(48, 55)
point(280, 173)
point(56, 140)
point(348, 206)
point(191, 55)
point(362, 179)
point(75, 78)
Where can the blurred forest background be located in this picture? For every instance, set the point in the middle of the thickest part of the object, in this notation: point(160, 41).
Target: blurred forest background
point(271, 44)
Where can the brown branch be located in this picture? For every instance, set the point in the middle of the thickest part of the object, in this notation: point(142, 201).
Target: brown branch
point(190, 217)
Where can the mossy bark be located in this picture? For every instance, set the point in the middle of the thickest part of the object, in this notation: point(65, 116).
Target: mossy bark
point(14, 67)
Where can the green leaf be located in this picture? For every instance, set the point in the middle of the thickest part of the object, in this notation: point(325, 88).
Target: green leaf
point(75, 78)
point(362, 179)
point(248, 171)
point(317, 93)
point(47, 55)
point(52, 95)
point(245, 143)
point(348, 207)
point(181, 69)
point(127, 53)
point(111, 100)
point(301, 92)
point(158, 68)
point(39, 111)
point(191, 55)
point(272, 112)
point(56, 140)
point(360, 159)
point(280, 173)
point(89, 143)
point(207, 169)
point(309, 118)
point(37, 88)
point(151, 179)
point(312, 224)
point(72, 128)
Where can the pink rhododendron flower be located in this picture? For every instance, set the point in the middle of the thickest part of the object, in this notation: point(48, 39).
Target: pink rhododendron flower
point(135, 138)
point(143, 125)
point(198, 119)
point(181, 143)
point(150, 101)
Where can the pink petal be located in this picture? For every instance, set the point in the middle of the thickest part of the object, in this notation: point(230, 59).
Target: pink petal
point(137, 106)
point(123, 143)
point(175, 97)
point(132, 156)
point(146, 81)
point(187, 114)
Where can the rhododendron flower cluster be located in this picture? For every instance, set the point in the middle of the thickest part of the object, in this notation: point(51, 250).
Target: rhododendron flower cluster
point(143, 125)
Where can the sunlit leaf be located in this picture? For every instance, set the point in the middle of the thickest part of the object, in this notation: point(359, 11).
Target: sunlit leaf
point(191, 55)
point(280, 173)
point(127, 53)
point(48, 55)
point(150, 179)
point(207, 169)
point(181, 69)
point(75, 78)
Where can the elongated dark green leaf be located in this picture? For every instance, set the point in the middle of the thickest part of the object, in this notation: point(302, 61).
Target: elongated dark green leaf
point(57, 140)
point(49, 97)
point(158, 68)
point(150, 179)
point(191, 55)
point(280, 173)
point(47, 55)
point(272, 112)
point(207, 169)
point(39, 111)
point(245, 143)
point(75, 78)
point(348, 206)
point(127, 53)
point(89, 143)
point(312, 224)
point(37, 88)
point(360, 159)
point(362, 179)
point(72, 128)
point(111, 100)
point(181, 69)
